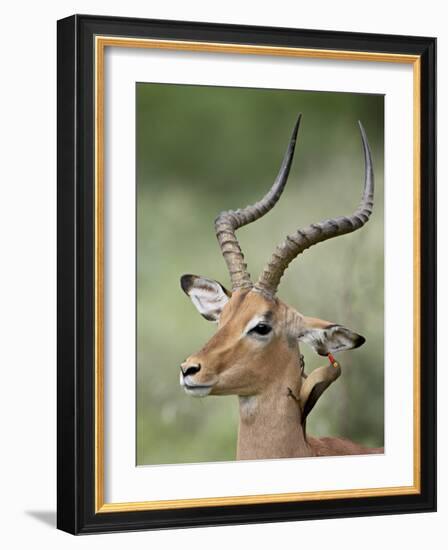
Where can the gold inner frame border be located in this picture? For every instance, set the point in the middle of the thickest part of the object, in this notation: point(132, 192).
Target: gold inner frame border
point(100, 44)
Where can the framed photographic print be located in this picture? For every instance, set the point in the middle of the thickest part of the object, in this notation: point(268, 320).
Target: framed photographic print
point(246, 274)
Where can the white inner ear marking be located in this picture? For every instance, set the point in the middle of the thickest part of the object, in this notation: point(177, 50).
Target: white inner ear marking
point(330, 339)
point(313, 337)
point(342, 340)
point(209, 298)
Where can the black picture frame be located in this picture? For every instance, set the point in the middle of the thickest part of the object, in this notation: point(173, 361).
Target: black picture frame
point(76, 286)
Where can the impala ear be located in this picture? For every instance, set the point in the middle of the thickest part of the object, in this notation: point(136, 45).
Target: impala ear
point(208, 296)
point(325, 337)
point(314, 385)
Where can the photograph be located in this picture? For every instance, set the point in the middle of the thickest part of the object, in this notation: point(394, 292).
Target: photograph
point(246, 257)
point(281, 341)
point(219, 287)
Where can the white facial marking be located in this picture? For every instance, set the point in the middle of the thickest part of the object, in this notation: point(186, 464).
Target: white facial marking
point(201, 391)
point(253, 323)
point(248, 405)
point(193, 389)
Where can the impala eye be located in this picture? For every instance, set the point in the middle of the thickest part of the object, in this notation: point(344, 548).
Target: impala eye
point(262, 329)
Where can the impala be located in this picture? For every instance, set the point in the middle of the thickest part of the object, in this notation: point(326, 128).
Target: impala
point(255, 352)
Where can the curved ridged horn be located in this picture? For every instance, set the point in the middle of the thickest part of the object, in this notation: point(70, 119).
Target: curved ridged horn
point(228, 222)
point(315, 233)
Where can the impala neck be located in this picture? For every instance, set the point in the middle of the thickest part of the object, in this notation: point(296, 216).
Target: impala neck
point(270, 422)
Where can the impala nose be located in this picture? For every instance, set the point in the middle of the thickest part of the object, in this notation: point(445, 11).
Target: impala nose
point(188, 370)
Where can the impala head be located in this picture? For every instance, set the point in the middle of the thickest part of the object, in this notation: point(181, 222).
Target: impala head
point(258, 335)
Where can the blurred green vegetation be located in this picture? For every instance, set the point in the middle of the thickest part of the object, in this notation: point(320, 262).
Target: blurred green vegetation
point(203, 149)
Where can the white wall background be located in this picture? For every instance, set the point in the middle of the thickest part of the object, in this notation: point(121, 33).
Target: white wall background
point(28, 271)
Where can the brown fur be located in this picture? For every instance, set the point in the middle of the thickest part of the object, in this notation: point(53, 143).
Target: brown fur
point(266, 375)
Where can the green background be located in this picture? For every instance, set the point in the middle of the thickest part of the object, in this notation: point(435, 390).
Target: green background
point(203, 149)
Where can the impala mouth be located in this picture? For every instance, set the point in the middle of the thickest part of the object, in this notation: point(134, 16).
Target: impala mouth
point(195, 390)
